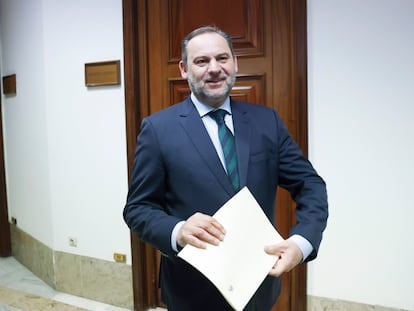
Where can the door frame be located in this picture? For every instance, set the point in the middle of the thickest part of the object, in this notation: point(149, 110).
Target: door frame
point(144, 268)
point(5, 238)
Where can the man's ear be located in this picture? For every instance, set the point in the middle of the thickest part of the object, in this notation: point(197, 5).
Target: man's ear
point(183, 69)
point(236, 67)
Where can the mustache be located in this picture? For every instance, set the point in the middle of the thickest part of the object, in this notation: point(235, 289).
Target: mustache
point(215, 78)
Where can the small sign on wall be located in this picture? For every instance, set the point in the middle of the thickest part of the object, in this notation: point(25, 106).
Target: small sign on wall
point(102, 73)
point(9, 84)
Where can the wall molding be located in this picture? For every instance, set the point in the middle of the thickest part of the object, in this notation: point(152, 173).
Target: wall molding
point(111, 282)
point(323, 304)
point(92, 278)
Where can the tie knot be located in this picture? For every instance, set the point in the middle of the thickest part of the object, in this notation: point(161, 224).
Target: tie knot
point(218, 115)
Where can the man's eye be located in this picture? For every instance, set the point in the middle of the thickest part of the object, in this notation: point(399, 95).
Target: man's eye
point(200, 62)
point(223, 59)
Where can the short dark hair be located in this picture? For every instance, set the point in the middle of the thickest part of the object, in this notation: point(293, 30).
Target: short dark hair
point(200, 31)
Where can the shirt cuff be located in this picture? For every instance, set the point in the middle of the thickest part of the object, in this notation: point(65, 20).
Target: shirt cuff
point(303, 244)
point(174, 235)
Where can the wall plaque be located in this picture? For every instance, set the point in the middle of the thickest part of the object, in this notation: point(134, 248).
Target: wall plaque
point(9, 84)
point(102, 73)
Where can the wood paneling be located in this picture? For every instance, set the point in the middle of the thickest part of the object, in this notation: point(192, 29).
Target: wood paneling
point(270, 41)
point(247, 88)
point(245, 25)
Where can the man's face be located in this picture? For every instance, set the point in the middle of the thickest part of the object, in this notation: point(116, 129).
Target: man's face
point(211, 69)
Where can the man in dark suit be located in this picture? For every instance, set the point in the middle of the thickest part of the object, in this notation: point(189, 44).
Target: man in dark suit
point(180, 177)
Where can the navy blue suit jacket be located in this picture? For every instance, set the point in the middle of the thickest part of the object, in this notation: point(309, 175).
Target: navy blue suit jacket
point(177, 172)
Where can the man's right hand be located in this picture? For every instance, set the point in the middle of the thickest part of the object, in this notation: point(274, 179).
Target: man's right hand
point(199, 230)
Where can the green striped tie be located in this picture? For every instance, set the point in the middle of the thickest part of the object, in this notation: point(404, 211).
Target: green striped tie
point(229, 147)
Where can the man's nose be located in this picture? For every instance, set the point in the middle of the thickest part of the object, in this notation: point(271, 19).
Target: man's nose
point(213, 66)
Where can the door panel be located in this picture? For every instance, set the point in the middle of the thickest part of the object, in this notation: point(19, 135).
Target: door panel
point(168, 24)
point(245, 23)
point(248, 88)
point(270, 42)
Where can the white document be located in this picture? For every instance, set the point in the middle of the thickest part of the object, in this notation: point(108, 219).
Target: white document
point(239, 264)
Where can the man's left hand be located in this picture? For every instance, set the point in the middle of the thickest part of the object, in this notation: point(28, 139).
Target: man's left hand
point(289, 255)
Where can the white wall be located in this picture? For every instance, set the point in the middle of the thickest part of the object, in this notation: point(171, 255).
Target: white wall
point(24, 118)
point(65, 144)
point(361, 108)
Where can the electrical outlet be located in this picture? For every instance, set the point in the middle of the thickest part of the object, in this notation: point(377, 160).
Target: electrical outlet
point(73, 242)
point(120, 257)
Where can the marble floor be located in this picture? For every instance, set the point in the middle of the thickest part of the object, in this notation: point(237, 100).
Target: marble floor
point(21, 290)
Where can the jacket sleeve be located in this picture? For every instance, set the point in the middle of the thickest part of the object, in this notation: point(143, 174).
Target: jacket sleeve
point(144, 211)
point(307, 188)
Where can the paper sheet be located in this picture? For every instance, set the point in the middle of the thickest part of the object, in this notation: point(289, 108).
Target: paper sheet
point(239, 264)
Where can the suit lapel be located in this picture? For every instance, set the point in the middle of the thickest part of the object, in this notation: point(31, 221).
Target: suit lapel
point(242, 135)
point(193, 125)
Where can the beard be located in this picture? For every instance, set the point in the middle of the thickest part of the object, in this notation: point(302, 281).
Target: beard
point(212, 97)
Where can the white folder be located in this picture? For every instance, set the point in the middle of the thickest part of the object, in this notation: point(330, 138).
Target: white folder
point(239, 264)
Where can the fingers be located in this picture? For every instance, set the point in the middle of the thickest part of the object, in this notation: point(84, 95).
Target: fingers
point(199, 230)
point(288, 255)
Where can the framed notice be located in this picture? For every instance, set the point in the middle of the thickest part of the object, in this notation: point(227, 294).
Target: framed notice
point(102, 73)
point(9, 84)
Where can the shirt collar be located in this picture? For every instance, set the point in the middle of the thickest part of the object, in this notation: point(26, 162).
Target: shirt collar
point(204, 109)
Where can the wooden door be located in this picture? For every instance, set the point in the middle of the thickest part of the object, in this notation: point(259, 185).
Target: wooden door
point(5, 243)
point(269, 38)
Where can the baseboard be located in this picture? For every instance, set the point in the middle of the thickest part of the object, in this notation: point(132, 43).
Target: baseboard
point(324, 304)
point(95, 279)
point(111, 282)
point(100, 280)
point(33, 254)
